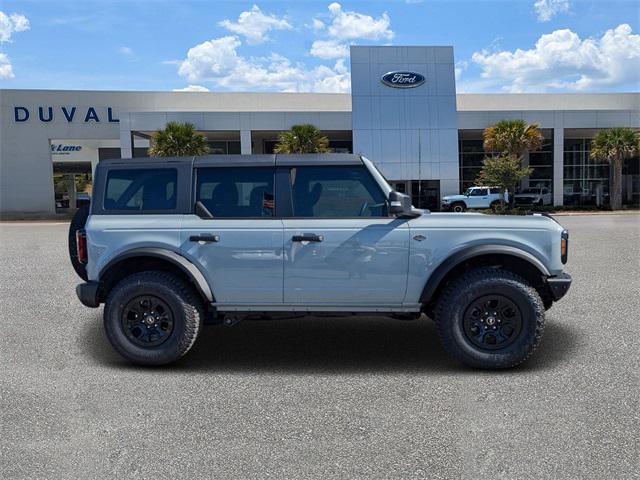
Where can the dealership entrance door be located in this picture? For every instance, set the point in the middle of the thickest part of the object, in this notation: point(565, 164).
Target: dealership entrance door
point(71, 185)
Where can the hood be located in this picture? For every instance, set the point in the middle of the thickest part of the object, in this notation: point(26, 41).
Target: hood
point(482, 221)
point(454, 197)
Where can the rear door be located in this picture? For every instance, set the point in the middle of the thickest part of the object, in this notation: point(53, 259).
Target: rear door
point(239, 248)
point(341, 246)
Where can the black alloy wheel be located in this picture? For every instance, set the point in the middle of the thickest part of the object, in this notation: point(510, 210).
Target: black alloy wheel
point(492, 322)
point(147, 321)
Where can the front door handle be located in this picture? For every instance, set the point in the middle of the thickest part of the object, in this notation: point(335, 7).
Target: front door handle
point(205, 238)
point(307, 237)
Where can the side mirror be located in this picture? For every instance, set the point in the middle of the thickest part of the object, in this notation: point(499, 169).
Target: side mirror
point(400, 205)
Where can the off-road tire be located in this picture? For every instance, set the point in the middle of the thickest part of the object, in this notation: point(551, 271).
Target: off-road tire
point(462, 292)
point(78, 222)
point(184, 303)
point(458, 207)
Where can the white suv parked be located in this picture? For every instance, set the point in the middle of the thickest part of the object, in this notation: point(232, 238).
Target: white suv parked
point(474, 197)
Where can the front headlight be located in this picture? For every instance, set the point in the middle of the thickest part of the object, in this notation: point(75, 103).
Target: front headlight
point(444, 200)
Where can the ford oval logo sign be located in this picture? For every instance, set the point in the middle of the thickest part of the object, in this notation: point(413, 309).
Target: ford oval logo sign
point(401, 79)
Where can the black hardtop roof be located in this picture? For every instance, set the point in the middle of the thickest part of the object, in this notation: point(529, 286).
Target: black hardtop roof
point(243, 160)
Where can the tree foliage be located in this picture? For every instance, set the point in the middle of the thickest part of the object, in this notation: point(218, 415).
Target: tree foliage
point(614, 146)
point(178, 140)
point(504, 172)
point(512, 137)
point(302, 139)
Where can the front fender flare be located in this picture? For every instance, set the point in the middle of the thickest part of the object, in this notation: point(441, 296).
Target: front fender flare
point(172, 257)
point(479, 250)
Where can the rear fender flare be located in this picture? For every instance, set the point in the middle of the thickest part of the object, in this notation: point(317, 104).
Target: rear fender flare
point(186, 266)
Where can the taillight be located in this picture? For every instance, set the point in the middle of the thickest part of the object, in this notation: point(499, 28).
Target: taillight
point(81, 245)
point(564, 246)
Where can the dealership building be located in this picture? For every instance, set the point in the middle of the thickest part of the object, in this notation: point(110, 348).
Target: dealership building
point(424, 137)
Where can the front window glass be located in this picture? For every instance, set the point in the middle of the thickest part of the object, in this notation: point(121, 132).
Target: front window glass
point(476, 192)
point(141, 189)
point(336, 191)
point(236, 192)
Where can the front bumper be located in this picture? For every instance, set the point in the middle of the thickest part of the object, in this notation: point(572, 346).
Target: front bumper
point(559, 285)
point(88, 294)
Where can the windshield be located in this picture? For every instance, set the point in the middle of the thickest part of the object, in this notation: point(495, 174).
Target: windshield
point(530, 190)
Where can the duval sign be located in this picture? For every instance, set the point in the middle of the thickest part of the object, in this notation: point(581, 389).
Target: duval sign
point(403, 79)
point(70, 114)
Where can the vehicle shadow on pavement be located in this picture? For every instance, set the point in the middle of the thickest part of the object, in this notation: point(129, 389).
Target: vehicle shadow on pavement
point(330, 345)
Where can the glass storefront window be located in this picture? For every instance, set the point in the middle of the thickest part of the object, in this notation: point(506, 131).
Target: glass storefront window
point(224, 147)
point(586, 181)
point(472, 154)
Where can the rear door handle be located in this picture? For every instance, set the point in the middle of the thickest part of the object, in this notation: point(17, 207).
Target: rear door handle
point(205, 238)
point(307, 237)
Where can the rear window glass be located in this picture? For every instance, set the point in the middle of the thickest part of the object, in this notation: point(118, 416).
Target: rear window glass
point(243, 192)
point(141, 190)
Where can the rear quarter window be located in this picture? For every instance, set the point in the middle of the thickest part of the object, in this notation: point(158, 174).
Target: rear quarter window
point(141, 190)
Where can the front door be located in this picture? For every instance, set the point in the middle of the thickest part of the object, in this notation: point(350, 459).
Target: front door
point(239, 250)
point(341, 247)
point(478, 198)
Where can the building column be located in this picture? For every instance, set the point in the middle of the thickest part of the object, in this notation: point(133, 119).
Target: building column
point(245, 142)
point(558, 166)
point(126, 141)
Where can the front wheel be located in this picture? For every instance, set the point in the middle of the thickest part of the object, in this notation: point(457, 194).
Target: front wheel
point(458, 207)
point(490, 318)
point(152, 318)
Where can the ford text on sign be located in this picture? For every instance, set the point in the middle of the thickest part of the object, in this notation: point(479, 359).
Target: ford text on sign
point(403, 79)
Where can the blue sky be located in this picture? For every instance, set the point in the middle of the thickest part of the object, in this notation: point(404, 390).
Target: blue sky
point(500, 46)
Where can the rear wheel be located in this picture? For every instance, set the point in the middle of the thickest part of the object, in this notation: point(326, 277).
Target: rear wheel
point(490, 318)
point(152, 318)
point(77, 223)
point(458, 207)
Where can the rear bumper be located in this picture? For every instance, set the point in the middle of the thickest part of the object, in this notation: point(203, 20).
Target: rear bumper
point(559, 285)
point(88, 294)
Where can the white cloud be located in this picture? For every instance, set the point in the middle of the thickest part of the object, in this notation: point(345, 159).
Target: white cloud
point(352, 25)
point(329, 49)
point(218, 61)
point(317, 25)
point(254, 25)
point(561, 60)
point(547, 9)
point(125, 51)
point(10, 24)
point(6, 70)
point(192, 88)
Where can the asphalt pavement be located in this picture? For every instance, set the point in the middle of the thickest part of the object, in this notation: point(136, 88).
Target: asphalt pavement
point(319, 397)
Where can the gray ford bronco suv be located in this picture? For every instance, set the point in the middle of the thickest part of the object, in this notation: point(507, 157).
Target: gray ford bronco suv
point(171, 244)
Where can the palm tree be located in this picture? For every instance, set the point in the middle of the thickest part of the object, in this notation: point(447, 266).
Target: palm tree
point(178, 140)
point(509, 140)
point(302, 139)
point(513, 138)
point(614, 146)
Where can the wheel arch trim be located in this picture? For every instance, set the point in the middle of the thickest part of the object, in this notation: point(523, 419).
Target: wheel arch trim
point(177, 260)
point(457, 258)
